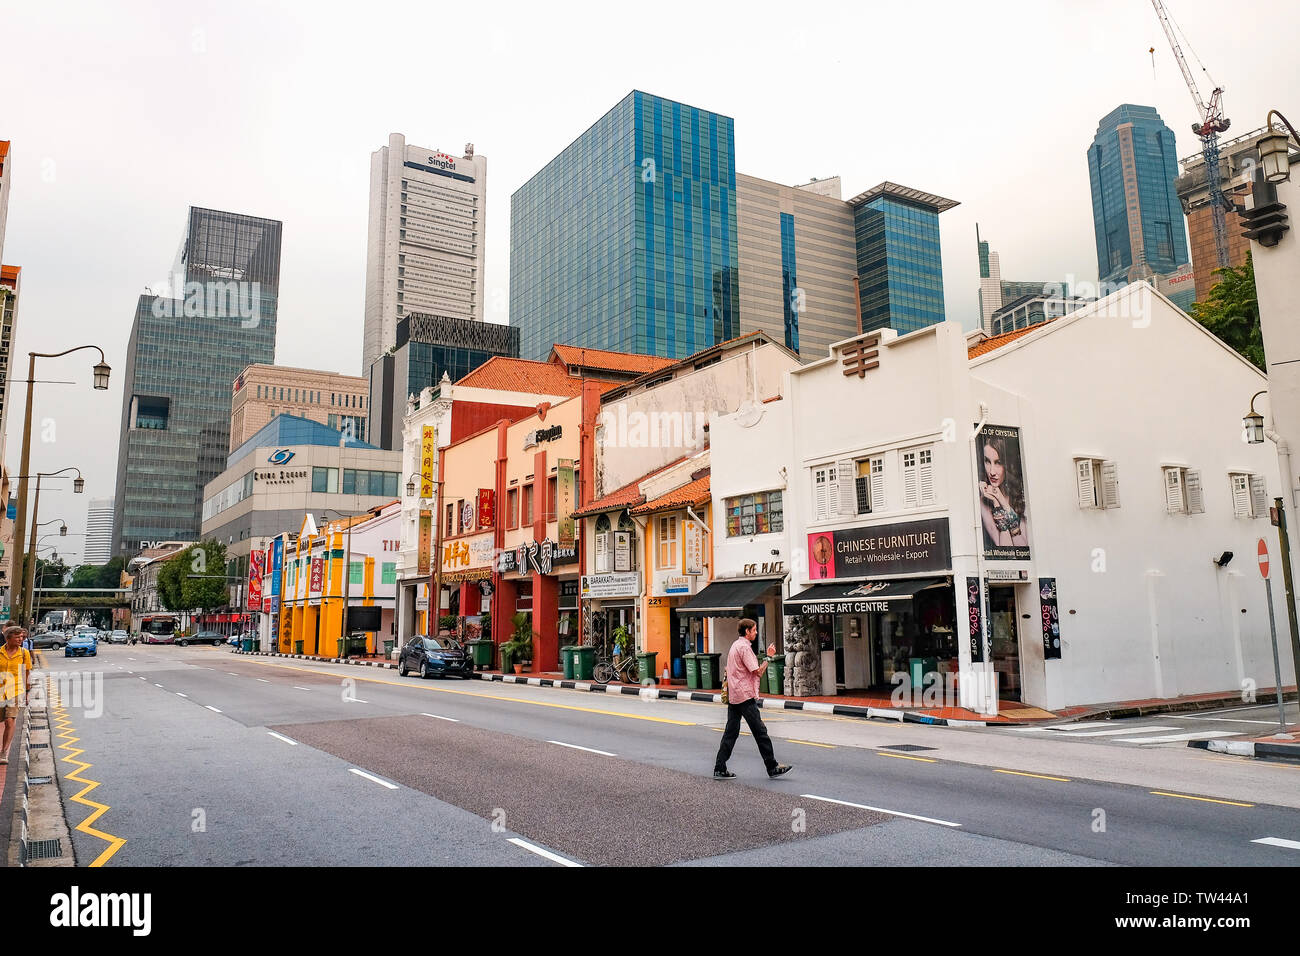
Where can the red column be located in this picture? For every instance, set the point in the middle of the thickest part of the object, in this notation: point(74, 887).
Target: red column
point(469, 598)
point(546, 616)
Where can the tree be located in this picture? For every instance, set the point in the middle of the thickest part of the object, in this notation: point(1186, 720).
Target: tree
point(1232, 312)
point(171, 577)
point(50, 574)
point(209, 590)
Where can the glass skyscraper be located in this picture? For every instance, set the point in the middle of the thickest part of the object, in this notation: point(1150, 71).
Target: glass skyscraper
point(627, 239)
point(1136, 215)
point(900, 270)
point(186, 349)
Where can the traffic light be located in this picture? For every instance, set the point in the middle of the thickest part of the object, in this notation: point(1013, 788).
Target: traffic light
point(1268, 220)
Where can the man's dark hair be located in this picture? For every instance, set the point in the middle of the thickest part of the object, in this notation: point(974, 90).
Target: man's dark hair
point(745, 624)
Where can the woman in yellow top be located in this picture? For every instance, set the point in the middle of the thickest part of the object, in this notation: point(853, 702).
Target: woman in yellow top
point(15, 672)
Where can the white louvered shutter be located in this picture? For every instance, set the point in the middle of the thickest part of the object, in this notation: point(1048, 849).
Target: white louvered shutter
point(877, 484)
point(847, 501)
point(1174, 491)
point(1259, 496)
point(1083, 476)
point(820, 480)
point(1195, 498)
point(909, 479)
point(1241, 496)
point(1109, 484)
point(602, 553)
point(925, 476)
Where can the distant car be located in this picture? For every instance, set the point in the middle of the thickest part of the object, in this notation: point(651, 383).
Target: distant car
point(118, 637)
point(202, 637)
point(51, 639)
point(434, 657)
point(233, 641)
point(81, 645)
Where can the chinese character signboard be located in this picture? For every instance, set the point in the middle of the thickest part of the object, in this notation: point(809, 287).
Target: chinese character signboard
point(564, 493)
point(426, 541)
point(428, 442)
point(485, 510)
point(692, 547)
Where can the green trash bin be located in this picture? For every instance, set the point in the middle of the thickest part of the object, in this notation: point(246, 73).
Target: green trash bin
point(297, 647)
point(482, 649)
point(775, 674)
point(692, 663)
point(388, 648)
point(917, 668)
point(645, 665)
point(248, 644)
point(584, 661)
point(566, 659)
point(507, 661)
point(710, 671)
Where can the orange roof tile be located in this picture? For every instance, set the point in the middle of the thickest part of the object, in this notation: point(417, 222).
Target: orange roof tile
point(612, 361)
point(523, 375)
point(9, 274)
point(627, 495)
point(4, 148)
point(687, 494)
point(988, 345)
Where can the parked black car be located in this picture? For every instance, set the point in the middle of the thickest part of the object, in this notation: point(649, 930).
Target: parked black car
point(434, 657)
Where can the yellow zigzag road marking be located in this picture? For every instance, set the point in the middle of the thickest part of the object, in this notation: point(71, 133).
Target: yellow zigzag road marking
point(99, 809)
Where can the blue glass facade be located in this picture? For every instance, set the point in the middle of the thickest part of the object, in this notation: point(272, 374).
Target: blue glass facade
point(1132, 165)
point(789, 282)
point(627, 239)
point(900, 270)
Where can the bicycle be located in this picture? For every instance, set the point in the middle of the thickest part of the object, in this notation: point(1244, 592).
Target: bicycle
point(626, 670)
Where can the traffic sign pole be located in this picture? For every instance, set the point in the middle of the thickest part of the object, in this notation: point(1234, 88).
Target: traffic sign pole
point(1272, 629)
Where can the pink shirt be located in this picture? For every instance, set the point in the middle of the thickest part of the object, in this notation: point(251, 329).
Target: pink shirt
point(742, 672)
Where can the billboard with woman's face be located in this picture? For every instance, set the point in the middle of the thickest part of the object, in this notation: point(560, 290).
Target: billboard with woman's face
point(1004, 513)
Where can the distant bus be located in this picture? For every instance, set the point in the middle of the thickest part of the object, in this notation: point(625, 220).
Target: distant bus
point(158, 628)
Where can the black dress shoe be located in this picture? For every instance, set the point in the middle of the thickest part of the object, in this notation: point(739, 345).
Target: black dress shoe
point(724, 775)
point(783, 768)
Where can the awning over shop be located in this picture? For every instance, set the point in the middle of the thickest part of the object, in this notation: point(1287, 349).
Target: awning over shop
point(726, 598)
point(857, 597)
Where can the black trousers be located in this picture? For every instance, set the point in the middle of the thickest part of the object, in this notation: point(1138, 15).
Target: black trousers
point(749, 711)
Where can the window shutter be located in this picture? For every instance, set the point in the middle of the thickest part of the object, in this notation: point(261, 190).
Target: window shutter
point(848, 497)
point(1083, 476)
point(877, 484)
point(925, 476)
point(1173, 491)
point(1195, 500)
point(909, 479)
point(1109, 484)
point(602, 552)
point(1240, 496)
point(1259, 496)
point(819, 493)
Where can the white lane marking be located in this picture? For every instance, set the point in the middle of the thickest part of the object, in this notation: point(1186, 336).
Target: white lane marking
point(1122, 730)
point(179, 694)
point(211, 708)
point(893, 813)
point(354, 700)
point(263, 680)
point(1233, 720)
point(130, 672)
point(590, 750)
point(158, 685)
point(1278, 841)
point(142, 678)
point(130, 658)
point(292, 743)
point(371, 776)
point(232, 673)
point(1168, 738)
point(553, 857)
point(296, 687)
point(454, 720)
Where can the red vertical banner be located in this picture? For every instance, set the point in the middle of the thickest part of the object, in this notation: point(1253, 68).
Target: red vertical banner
point(256, 569)
point(485, 509)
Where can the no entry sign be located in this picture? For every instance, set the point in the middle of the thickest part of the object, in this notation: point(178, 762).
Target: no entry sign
point(1263, 558)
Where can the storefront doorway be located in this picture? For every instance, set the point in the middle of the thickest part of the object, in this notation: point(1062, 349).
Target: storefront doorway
point(1006, 641)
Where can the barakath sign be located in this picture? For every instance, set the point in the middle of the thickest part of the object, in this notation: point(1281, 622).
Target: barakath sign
point(909, 547)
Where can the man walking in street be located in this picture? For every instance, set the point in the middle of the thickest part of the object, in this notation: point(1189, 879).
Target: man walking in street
point(743, 672)
point(15, 673)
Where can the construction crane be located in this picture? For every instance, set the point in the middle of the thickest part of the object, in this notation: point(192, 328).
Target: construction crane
point(1212, 123)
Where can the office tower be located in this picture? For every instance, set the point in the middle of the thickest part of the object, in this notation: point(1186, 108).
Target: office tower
point(261, 392)
point(900, 269)
point(1136, 215)
point(424, 247)
point(797, 263)
point(186, 348)
point(627, 240)
point(429, 347)
point(995, 293)
point(99, 531)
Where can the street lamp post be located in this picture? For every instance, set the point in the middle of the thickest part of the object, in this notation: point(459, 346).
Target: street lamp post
point(100, 372)
point(78, 486)
point(435, 595)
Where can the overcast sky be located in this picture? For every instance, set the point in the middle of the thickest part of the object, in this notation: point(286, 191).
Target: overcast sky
point(122, 115)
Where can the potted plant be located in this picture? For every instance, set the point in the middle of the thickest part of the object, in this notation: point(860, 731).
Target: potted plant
point(446, 623)
point(519, 649)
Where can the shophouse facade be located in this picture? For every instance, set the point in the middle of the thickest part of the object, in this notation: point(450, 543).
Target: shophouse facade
point(1054, 509)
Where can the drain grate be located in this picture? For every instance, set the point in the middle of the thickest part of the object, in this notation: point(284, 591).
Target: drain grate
point(908, 747)
point(45, 849)
point(40, 780)
point(38, 745)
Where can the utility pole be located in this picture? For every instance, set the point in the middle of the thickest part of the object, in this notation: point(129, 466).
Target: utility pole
point(1288, 581)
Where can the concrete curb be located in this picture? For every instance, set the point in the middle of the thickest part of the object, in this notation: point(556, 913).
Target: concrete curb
point(1248, 748)
point(650, 692)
